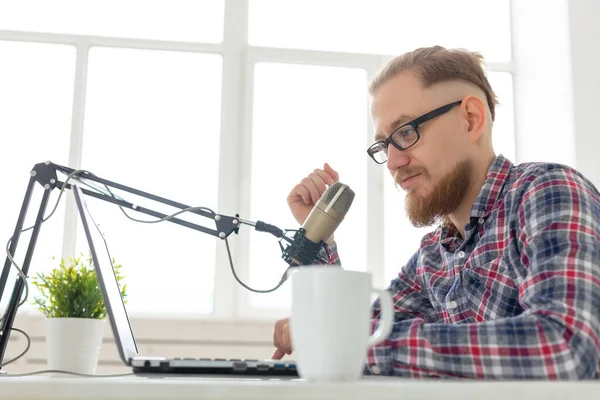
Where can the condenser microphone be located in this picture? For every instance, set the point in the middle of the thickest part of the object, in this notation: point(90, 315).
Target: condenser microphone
point(323, 220)
point(307, 245)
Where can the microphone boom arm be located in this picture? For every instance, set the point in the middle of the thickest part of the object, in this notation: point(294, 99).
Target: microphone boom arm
point(301, 251)
point(45, 174)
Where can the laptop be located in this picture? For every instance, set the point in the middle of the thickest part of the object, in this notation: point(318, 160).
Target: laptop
point(123, 333)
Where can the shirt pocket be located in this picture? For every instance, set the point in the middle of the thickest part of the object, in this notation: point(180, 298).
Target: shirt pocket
point(490, 285)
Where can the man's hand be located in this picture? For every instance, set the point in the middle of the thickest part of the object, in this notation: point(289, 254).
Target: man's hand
point(306, 194)
point(282, 339)
point(301, 200)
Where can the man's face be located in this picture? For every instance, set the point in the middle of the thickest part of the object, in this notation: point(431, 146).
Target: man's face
point(438, 163)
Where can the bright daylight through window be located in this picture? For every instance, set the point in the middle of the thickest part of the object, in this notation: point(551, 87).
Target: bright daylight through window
point(190, 105)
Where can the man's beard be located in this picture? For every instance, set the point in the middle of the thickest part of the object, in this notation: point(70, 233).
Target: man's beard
point(445, 198)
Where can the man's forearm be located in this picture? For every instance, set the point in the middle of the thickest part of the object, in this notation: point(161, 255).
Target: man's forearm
point(530, 346)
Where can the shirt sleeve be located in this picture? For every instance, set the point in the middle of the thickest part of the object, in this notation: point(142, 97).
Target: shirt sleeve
point(557, 335)
point(334, 257)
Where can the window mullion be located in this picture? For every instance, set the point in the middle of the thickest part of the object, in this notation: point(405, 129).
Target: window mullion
point(375, 203)
point(76, 145)
point(231, 152)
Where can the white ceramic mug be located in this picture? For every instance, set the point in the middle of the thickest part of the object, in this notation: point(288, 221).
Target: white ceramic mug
point(331, 322)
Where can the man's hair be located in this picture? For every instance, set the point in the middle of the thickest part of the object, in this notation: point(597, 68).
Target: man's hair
point(437, 64)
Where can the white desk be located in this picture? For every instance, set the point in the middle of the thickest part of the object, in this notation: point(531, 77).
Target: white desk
point(161, 387)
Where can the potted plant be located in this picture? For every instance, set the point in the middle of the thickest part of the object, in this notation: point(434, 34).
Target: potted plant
point(71, 300)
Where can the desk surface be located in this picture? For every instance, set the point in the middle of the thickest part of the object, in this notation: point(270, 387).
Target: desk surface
point(185, 387)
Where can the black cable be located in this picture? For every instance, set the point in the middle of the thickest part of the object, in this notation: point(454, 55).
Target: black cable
point(12, 360)
point(283, 277)
point(10, 256)
point(60, 371)
point(168, 217)
point(76, 173)
point(271, 230)
point(280, 234)
point(47, 371)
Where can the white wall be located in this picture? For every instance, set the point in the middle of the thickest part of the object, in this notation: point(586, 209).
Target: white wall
point(177, 337)
point(543, 107)
point(584, 32)
point(556, 51)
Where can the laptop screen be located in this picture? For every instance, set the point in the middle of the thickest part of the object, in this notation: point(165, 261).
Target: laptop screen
point(107, 280)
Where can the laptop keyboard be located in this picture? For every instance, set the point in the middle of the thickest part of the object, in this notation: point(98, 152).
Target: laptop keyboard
point(214, 359)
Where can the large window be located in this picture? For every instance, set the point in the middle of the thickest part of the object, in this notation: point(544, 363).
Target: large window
point(36, 98)
point(382, 26)
point(152, 122)
point(224, 104)
point(176, 20)
point(286, 141)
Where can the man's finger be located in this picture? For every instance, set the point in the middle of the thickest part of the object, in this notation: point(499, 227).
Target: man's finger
point(327, 179)
point(301, 191)
point(278, 355)
point(285, 336)
point(332, 172)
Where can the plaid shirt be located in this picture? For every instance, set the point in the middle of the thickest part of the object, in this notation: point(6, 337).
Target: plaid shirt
point(517, 298)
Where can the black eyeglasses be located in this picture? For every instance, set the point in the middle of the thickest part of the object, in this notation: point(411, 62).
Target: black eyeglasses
point(406, 135)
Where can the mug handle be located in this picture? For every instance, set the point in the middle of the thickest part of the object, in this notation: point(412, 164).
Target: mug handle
point(386, 318)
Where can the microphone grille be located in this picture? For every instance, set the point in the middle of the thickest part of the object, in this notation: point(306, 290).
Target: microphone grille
point(344, 200)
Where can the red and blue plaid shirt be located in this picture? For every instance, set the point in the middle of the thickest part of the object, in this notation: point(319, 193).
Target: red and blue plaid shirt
point(517, 298)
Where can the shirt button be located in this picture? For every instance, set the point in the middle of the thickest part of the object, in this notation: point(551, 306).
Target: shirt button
point(460, 254)
point(375, 370)
point(481, 220)
point(451, 304)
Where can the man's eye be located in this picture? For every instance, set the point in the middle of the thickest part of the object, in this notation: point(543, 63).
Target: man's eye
point(406, 132)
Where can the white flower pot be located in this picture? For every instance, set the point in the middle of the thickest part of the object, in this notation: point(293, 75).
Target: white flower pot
point(73, 344)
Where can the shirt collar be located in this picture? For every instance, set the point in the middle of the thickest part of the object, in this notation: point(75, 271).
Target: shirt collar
point(496, 177)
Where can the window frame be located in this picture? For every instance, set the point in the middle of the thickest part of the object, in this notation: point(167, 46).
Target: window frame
point(239, 59)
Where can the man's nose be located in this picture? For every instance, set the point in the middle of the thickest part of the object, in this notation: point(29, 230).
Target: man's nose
point(396, 158)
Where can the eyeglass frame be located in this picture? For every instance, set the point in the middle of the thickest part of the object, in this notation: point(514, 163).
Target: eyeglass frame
point(415, 125)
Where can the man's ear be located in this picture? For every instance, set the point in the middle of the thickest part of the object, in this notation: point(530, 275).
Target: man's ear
point(474, 111)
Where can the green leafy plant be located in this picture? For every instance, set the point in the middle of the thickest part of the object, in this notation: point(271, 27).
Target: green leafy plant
point(71, 290)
